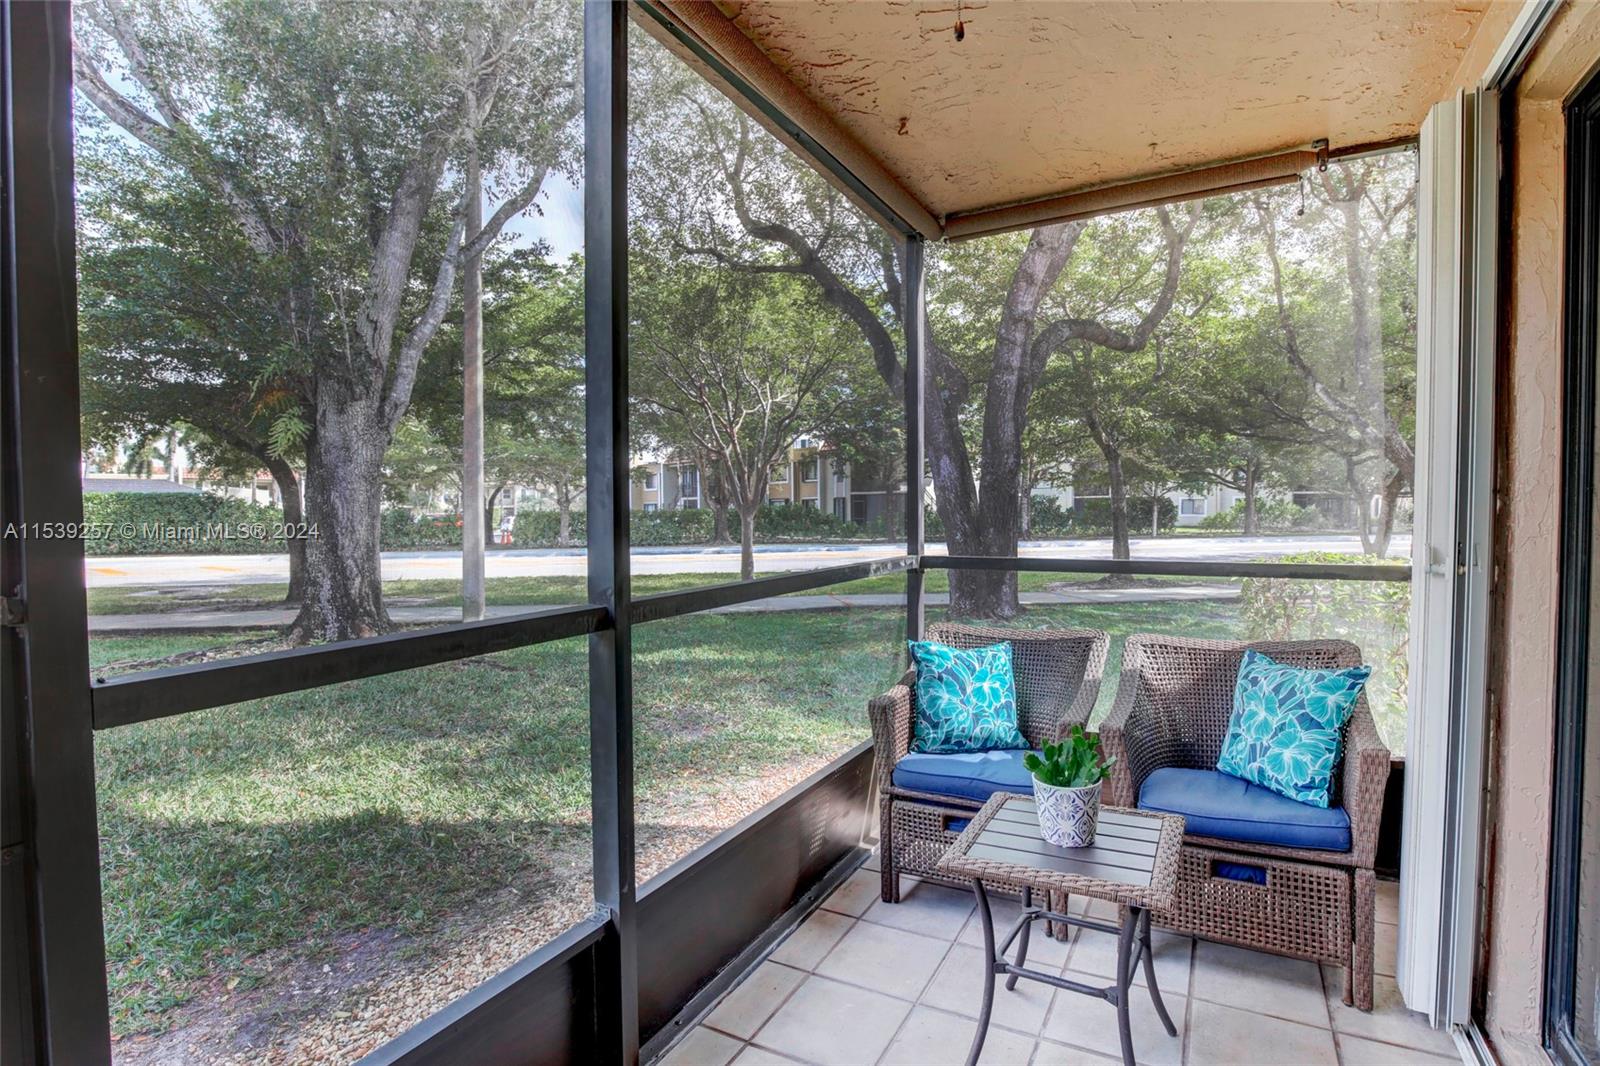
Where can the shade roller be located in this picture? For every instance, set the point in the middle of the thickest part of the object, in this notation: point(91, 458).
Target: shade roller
point(1257, 173)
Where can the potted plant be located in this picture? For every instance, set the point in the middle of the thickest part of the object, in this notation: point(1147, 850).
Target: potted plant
point(1066, 788)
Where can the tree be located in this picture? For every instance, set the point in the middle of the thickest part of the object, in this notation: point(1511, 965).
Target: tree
point(736, 367)
point(327, 132)
point(532, 352)
point(731, 196)
point(1364, 387)
point(174, 330)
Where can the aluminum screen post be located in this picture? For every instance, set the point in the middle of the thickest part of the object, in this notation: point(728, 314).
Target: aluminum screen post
point(913, 316)
point(605, 320)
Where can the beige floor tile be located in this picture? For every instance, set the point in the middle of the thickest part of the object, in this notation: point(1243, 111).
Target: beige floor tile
point(958, 987)
point(1390, 1021)
point(1050, 1053)
point(872, 862)
point(1044, 952)
point(1388, 908)
point(807, 945)
point(934, 1038)
point(1354, 1051)
point(1384, 948)
point(886, 960)
point(1225, 1036)
point(702, 1047)
point(1096, 952)
point(1090, 1023)
point(828, 1022)
point(859, 891)
point(755, 999)
point(931, 910)
point(1257, 981)
point(760, 1056)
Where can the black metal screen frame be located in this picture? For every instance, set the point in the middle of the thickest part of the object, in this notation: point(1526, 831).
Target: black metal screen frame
point(589, 976)
point(1576, 572)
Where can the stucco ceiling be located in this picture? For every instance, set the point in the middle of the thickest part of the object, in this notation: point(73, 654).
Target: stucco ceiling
point(1044, 97)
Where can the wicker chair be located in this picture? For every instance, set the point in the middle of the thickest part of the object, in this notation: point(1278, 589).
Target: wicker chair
point(1173, 705)
point(1058, 675)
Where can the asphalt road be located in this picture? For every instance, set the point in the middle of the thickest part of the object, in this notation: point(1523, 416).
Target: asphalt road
point(173, 571)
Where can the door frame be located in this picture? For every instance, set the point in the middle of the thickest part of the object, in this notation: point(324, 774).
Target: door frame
point(1582, 322)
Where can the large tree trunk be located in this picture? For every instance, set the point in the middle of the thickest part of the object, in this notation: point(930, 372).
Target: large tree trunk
point(1120, 546)
point(293, 516)
point(344, 491)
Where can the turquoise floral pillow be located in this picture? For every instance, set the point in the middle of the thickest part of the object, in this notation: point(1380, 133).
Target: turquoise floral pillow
point(966, 699)
point(1288, 725)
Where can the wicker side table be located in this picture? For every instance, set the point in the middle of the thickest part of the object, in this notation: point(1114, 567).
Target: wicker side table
point(1133, 863)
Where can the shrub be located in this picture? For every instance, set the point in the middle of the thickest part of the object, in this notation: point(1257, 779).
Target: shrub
point(174, 523)
point(1094, 516)
point(400, 529)
point(1047, 518)
point(1272, 516)
point(1373, 615)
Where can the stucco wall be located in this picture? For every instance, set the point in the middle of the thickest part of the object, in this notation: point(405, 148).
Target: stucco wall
point(1522, 646)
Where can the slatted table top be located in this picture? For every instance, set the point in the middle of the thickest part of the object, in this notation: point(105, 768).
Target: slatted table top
point(1134, 857)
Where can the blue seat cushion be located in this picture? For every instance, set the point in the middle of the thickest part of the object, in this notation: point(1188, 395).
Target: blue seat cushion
point(1215, 804)
point(970, 775)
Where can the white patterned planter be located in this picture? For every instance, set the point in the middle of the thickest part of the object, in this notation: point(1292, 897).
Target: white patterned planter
point(1067, 816)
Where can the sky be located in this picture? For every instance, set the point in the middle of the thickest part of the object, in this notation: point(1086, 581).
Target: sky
point(560, 224)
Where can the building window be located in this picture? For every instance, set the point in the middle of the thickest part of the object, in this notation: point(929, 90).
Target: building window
point(650, 480)
point(777, 501)
point(810, 501)
point(1191, 505)
point(808, 470)
point(779, 474)
point(841, 473)
point(649, 507)
point(688, 481)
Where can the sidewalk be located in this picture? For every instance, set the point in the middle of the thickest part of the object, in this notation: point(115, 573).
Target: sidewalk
point(180, 621)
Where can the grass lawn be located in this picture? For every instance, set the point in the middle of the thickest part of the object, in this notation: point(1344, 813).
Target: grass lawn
point(498, 591)
point(396, 803)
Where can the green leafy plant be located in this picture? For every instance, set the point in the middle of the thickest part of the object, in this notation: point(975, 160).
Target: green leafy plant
point(1073, 763)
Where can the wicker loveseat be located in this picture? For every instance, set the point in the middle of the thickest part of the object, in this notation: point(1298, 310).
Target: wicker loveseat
point(1283, 896)
point(1058, 674)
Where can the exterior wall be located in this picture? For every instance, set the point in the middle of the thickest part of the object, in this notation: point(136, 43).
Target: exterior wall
point(1522, 642)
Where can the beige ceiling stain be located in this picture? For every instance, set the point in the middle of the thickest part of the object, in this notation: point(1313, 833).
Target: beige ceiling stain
point(1042, 97)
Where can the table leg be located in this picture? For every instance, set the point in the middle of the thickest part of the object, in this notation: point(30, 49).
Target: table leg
point(988, 972)
point(1150, 974)
point(1022, 946)
point(1125, 941)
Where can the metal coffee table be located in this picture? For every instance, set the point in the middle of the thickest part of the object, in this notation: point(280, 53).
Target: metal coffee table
point(1133, 862)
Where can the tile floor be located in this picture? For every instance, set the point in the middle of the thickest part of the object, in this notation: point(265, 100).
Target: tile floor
point(862, 981)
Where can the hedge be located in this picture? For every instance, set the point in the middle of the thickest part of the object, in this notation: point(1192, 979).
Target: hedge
point(174, 523)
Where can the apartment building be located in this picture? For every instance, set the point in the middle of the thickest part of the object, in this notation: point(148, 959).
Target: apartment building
point(811, 475)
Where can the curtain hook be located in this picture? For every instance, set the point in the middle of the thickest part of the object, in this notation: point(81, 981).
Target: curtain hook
point(1322, 154)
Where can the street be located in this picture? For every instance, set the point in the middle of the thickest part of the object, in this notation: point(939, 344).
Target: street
point(175, 571)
